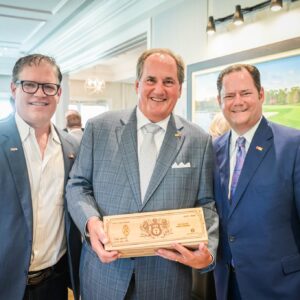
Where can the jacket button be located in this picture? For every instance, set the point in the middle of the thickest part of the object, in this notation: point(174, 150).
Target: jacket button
point(231, 238)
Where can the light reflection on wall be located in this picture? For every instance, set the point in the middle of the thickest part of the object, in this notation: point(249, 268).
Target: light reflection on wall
point(5, 109)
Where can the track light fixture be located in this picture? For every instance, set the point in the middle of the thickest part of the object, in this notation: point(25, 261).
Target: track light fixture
point(238, 17)
point(276, 5)
point(211, 27)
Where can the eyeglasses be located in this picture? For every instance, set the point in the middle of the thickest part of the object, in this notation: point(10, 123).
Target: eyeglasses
point(31, 87)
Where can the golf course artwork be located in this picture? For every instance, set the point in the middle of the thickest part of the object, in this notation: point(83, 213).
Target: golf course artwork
point(280, 79)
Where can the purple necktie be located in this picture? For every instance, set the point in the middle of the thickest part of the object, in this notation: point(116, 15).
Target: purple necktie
point(240, 157)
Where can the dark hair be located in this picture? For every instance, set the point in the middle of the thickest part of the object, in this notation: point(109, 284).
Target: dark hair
point(147, 53)
point(34, 59)
point(253, 71)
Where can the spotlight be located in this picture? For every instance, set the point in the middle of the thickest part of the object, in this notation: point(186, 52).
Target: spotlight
point(211, 27)
point(276, 5)
point(238, 17)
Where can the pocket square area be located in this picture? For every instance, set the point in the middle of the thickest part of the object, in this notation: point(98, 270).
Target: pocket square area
point(181, 165)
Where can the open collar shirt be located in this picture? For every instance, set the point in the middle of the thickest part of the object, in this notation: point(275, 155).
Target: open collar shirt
point(46, 176)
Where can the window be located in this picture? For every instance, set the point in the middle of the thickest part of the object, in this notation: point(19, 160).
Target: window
point(5, 106)
point(88, 111)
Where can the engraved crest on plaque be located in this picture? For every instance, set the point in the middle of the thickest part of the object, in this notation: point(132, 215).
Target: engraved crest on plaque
point(156, 227)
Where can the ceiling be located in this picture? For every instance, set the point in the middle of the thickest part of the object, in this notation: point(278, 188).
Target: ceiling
point(84, 36)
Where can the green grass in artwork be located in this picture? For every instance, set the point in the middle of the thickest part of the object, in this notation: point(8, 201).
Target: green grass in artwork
point(288, 115)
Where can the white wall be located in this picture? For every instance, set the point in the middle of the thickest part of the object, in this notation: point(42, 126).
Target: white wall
point(183, 28)
point(117, 95)
point(5, 84)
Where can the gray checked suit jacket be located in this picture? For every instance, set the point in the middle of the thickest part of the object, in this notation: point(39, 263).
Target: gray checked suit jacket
point(105, 181)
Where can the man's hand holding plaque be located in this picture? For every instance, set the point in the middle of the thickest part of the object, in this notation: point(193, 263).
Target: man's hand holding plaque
point(98, 239)
point(197, 259)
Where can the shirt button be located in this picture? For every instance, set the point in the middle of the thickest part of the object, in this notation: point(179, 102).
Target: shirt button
point(231, 238)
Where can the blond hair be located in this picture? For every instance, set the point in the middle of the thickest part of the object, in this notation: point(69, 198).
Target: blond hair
point(218, 125)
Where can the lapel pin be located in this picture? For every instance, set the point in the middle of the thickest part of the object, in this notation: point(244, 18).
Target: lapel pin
point(71, 155)
point(13, 149)
point(259, 148)
point(178, 134)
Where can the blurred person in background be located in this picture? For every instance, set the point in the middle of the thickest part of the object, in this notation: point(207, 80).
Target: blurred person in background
point(73, 124)
point(218, 125)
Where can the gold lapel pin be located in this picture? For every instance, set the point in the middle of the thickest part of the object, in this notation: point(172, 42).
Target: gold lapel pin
point(178, 134)
point(71, 155)
point(259, 148)
point(13, 149)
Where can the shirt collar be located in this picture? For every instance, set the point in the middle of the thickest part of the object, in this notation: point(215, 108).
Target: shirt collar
point(25, 130)
point(143, 120)
point(248, 135)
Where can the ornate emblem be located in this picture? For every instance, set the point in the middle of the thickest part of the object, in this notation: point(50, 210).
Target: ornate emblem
point(156, 227)
point(125, 230)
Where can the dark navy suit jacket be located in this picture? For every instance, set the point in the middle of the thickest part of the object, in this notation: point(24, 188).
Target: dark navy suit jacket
point(16, 214)
point(261, 228)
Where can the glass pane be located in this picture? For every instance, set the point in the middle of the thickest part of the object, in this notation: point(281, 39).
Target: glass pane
point(88, 111)
point(5, 108)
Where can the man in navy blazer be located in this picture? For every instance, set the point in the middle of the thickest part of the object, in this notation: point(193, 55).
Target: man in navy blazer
point(258, 256)
point(105, 180)
point(38, 238)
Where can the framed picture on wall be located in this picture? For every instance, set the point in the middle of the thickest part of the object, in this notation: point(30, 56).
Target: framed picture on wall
point(279, 65)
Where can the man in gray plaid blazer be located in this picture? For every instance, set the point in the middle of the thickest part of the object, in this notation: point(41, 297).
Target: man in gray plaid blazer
point(105, 181)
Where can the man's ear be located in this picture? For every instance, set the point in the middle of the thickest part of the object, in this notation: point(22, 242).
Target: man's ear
point(180, 90)
point(262, 95)
point(137, 84)
point(13, 88)
point(219, 100)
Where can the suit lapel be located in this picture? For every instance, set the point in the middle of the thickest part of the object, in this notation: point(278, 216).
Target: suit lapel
point(222, 156)
point(127, 138)
point(171, 145)
point(68, 157)
point(12, 147)
point(259, 147)
point(68, 154)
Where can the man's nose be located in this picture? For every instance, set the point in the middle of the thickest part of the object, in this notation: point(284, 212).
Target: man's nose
point(238, 98)
point(159, 88)
point(39, 92)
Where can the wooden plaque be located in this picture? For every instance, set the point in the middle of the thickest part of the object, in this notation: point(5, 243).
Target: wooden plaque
point(140, 234)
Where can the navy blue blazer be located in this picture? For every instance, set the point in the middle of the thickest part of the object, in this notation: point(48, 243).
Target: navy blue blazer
point(16, 214)
point(261, 228)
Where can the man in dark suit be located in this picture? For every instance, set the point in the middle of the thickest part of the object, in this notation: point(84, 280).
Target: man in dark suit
point(38, 238)
point(108, 179)
point(257, 193)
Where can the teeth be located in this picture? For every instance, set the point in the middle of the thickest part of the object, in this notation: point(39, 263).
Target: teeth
point(237, 111)
point(38, 103)
point(158, 99)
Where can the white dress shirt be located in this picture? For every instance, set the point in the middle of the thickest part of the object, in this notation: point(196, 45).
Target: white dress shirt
point(233, 148)
point(46, 176)
point(159, 136)
point(77, 133)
